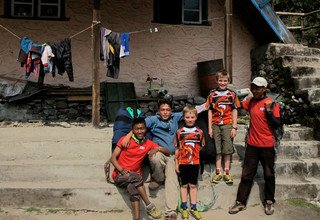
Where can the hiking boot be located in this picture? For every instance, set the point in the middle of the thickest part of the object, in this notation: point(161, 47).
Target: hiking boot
point(154, 185)
point(217, 178)
point(184, 214)
point(195, 214)
point(153, 211)
point(237, 207)
point(171, 215)
point(269, 207)
point(228, 178)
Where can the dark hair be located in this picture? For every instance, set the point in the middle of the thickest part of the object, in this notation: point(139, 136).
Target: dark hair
point(164, 101)
point(138, 121)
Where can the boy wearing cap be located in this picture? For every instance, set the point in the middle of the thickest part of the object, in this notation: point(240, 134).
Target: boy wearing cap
point(260, 146)
point(222, 117)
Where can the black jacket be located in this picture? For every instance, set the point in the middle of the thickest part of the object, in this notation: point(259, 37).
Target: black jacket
point(62, 59)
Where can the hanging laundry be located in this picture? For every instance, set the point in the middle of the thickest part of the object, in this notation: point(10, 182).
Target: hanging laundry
point(25, 45)
point(124, 44)
point(62, 58)
point(46, 59)
point(104, 44)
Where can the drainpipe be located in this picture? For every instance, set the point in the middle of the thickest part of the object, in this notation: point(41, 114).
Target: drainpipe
point(95, 64)
point(228, 38)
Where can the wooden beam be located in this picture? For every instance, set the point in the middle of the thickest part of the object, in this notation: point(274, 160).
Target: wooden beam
point(228, 38)
point(95, 64)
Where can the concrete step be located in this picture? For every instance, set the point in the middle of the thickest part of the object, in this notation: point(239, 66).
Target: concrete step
point(294, 60)
point(307, 82)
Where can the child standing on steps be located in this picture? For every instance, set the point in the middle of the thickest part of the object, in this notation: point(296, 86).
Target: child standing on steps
point(188, 142)
point(128, 167)
point(222, 116)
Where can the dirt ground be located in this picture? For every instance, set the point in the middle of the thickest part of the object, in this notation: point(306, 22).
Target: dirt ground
point(283, 210)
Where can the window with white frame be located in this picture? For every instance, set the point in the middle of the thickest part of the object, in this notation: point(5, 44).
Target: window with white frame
point(35, 9)
point(180, 11)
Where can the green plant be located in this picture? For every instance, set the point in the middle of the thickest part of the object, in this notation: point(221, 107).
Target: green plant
point(33, 209)
point(304, 204)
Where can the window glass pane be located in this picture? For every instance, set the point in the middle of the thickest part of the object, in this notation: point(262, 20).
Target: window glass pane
point(22, 10)
point(50, 1)
point(191, 16)
point(49, 11)
point(191, 4)
point(23, 1)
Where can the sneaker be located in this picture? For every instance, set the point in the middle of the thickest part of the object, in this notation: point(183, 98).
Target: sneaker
point(153, 185)
point(184, 214)
point(153, 211)
point(171, 215)
point(195, 214)
point(217, 178)
point(237, 207)
point(228, 179)
point(269, 207)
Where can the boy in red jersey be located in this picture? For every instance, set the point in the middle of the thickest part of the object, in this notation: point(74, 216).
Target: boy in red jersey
point(128, 167)
point(260, 146)
point(188, 142)
point(222, 117)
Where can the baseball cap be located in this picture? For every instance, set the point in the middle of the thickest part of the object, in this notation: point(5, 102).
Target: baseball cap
point(260, 81)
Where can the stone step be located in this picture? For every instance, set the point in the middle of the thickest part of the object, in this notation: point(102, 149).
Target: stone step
point(310, 61)
point(290, 149)
point(61, 150)
point(298, 169)
point(313, 94)
point(296, 132)
point(278, 50)
point(51, 170)
point(78, 195)
point(300, 71)
point(307, 82)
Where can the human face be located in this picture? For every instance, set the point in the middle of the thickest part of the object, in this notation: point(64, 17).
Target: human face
point(165, 111)
point(223, 82)
point(190, 119)
point(139, 130)
point(257, 91)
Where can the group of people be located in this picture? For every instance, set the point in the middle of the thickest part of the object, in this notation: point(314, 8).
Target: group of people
point(174, 151)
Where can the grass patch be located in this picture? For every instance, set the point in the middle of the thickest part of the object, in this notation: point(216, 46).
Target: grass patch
point(303, 204)
point(53, 211)
point(32, 209)
point(112, 211)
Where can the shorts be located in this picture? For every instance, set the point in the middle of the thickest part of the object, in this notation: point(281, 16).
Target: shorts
point(222, 139)
point(189, 174)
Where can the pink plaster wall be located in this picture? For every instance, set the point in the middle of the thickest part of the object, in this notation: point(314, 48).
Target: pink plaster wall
point(171, 54)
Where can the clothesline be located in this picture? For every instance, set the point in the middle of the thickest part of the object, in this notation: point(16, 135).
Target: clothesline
point(132, 32)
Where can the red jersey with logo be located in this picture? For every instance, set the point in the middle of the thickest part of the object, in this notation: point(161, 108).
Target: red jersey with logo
point(189, 142)
point(131, 157)
point(222, 102)
point(260, 132)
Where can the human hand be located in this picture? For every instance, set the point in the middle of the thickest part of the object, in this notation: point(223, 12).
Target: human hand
point(268, 105)
point(233, 133)
point(124, 171)
point(177, 168)
point(210, 131)
point(153, 151)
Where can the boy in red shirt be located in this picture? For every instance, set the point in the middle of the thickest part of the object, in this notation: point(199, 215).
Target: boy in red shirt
point(260, 146)
point(128, 167)
point(222, 117)
point(188, 142)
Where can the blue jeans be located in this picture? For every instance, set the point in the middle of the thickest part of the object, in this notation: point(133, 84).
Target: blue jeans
point(266, 156)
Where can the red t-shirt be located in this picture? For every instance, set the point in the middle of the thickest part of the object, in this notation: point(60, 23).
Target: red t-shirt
point(260, 132)
point(189, 142)
point(222, 102)
point(131, 158)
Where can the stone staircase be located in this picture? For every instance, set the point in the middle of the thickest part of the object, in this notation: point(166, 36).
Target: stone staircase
point(50, 168)
point(302, 64)
point(297, 165)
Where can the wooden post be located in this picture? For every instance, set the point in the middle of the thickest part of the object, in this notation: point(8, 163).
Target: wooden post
point(95, 64)
point(228, 38)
